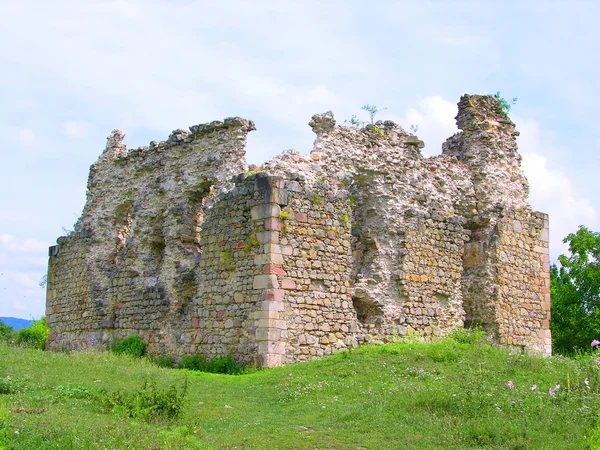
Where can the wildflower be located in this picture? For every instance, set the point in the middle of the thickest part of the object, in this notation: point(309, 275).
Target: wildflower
point(587, 383)
point(534, 387)
point(595, 343)
point(510, 385)
point(552, 392)
point(596, 361)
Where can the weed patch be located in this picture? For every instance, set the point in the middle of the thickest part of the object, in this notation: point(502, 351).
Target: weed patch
point(223, 364)
point(132, 346)
point(148, 403)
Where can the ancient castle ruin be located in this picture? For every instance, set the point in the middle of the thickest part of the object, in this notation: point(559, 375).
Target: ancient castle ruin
point(363, 240)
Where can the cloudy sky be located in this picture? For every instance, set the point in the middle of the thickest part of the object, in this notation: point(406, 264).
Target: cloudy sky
point(71, 71)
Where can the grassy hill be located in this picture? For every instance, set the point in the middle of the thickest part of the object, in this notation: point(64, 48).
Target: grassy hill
point(448, 395)
point(17, 324)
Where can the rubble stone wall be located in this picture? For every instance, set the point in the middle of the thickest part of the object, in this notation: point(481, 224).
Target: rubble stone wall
point(363, 240)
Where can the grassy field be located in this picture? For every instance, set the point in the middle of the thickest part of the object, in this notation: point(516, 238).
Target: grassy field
point(399, 396)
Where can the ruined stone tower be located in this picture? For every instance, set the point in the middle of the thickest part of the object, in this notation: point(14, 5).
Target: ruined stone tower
point(363, 240)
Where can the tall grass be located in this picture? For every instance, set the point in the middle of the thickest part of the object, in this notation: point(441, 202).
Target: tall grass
point(460, 393)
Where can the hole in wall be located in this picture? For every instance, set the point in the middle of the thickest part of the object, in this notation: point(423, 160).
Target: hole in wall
point(442, 300)
point(367, 312)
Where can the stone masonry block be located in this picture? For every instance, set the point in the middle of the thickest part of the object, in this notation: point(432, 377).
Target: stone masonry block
point(273, 223)
point(265, 282)
point(267, 314)
point(268, 258)
point(276, 248)
point(268, 334)
point(273, 295)
point(301, 217)
point(274, 269)
point(272, 306)
point(271, 360)
point(277, 195)
point(272, 323)
point(265, 211)
point(268, 237)
point(271, 347)
point(288, 284)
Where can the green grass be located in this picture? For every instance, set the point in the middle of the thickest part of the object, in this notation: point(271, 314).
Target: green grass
point(409, 396)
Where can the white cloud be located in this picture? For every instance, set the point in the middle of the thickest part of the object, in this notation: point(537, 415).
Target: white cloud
point(75, 129)
point(26, 136)
point(551, 191)
point(25, 280)
point(22, 245)
point(434, 116)
point(18, 306)
point(134, 65)
point(37, 262)
point(23, 263)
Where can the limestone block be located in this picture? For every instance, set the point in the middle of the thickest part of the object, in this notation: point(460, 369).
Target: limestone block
point(273, 295)
point(265, 282)
point(271, 347)
point(265, 211)
point(272, 306)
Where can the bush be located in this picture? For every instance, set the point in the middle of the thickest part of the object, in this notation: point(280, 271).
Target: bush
point(469, 336)
point(194, 362)
point(148, 403)
point(132, 346)
point(219, 364)
point(36, 335)
point(7, 333)
point(161, 359)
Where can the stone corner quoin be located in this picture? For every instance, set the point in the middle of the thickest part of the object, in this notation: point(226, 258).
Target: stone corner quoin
point(363, 240)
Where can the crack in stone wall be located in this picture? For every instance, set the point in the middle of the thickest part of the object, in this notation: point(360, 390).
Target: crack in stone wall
point(363, 240)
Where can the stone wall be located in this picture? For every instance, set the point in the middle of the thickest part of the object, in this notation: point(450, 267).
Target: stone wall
point(363, 240)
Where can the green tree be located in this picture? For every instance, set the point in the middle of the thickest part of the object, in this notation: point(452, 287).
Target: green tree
point(575, 293)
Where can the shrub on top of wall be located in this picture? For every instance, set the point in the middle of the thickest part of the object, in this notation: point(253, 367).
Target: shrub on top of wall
point(132, 346)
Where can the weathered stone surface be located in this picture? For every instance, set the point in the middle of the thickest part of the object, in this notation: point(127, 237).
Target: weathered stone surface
point(362, 240)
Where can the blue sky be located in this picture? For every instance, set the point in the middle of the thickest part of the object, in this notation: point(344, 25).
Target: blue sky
point(71, 71)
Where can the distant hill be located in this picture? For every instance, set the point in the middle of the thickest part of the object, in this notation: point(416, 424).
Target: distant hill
point(17, 324)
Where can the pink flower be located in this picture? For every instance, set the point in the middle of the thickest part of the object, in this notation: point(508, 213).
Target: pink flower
point(596, 361)
point(534, 387)
point(595, 342)
point(552, 392)
point(510, 385)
